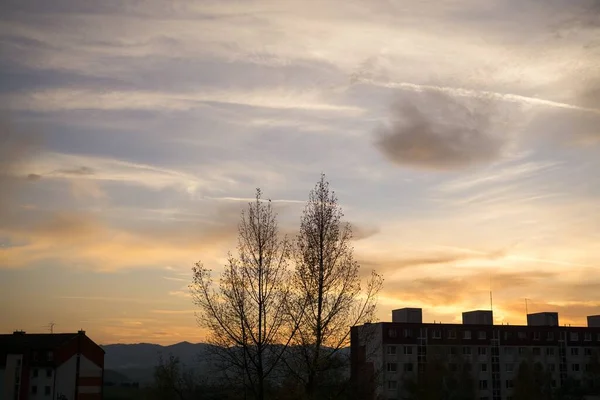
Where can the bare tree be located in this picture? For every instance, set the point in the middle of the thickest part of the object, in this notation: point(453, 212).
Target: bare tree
point(328, 281)
point(248, 315)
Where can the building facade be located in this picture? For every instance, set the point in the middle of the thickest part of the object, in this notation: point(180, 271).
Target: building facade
point(385, 356)
point(57, 366)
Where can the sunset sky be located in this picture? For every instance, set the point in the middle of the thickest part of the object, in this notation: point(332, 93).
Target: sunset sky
point(462, 138)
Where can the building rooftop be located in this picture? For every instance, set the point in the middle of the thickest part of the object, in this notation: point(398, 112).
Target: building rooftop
point(42, 341)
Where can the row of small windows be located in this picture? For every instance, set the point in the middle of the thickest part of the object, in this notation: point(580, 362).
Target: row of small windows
point(36, 373)
point(409, 367)
point(483, 385)
point(482, 335)
point(482, 351)
point(47, 390)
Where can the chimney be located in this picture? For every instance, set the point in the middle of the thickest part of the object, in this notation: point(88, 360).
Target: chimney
point(410, 315)
point(542, 319)
point(478, 317)
point(19, 333)
point(81, 332)
point(593, 321)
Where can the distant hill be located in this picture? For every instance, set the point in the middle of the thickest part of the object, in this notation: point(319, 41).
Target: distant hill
point(136, 362)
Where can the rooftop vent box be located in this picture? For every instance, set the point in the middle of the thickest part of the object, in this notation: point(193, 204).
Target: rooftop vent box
point(410, 315)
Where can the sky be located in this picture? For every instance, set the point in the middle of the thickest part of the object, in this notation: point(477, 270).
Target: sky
point(461, 137)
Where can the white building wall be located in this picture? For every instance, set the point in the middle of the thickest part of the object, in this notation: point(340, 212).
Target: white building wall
point(66, 375)
point(12, 375)
point(88, 369)
point(41, 382)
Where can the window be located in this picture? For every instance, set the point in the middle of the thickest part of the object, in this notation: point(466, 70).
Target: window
point(47, 390)
point(587, 351)
point(552, 367)
point(483, 385)
point(549, 351)
point(392, 367)
point(392, 333)
point(537, 351)
point(536, 336)
point(391, 350)
point(575, 367)
point(598, 337)
point(550, 336)
point(574, 351)
point(452, 334)
point(34, 389)
point(587, 337)
point(481, 335)
point(467, 335)
point(408, 333)
point(509, 351)
point(407, 350)
point(453, 350)
point(436, 334)
point(510, 384)
point(507, 335)
point(18, 362)
point(483, 367)
point(482, 351)
point(553, 383)
point(453, 367)
point(49, 373)
point(50, 356)
point(574, 336)
point(588, 367)
point(467, 351)
point(522, 351)
point(392, 385)
point(408, 367)
point(35, 372)
point(510, 367)
point(522, 335)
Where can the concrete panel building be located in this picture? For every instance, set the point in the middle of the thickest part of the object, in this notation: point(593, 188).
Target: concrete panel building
point(386, 355)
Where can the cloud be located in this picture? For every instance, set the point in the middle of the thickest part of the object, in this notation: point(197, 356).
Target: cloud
point(83, 240)
point(436, 131)
point(17, 148)
point(83, 170)
point(361, 232)
point(430, 258)
point(52, 100)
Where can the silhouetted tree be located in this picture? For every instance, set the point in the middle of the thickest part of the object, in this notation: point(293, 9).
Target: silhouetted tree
point(248, 315)
point(171, 381)
point(532, 382)
point(441, 381)
point(592, 374)
point(328, 282)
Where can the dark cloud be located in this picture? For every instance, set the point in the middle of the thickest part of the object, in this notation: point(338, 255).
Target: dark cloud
point(360, 232)
point(436, 130)
point(77, 171)
point(16, 147)
point(447, 291)
point(34, 177)
point(439, 258)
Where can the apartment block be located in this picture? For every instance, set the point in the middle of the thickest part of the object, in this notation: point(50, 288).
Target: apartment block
point(384, 356)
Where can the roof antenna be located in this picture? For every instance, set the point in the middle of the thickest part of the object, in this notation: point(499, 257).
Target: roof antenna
point(51, 326)
point(526, 308)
